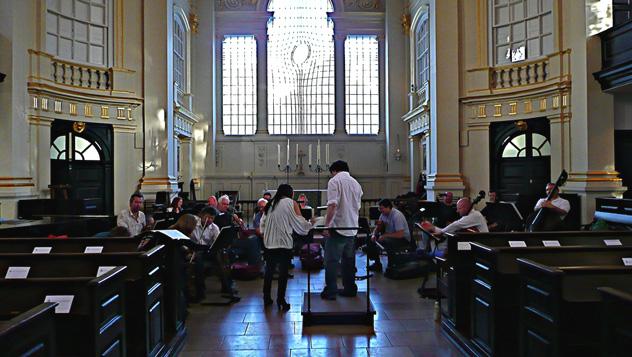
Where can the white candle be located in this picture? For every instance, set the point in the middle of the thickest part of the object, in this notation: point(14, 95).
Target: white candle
point(309, 150)
point(296, 154)
point(279, 154)
point(318, 153)
point(287, 162)
point(327, 154)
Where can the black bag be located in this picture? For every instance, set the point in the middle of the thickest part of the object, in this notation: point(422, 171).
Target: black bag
point(406, 266)
point(311, 256)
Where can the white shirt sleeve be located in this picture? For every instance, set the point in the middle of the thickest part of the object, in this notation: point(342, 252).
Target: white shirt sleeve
point(539, 204)
point(333, 192)
point(562, 204)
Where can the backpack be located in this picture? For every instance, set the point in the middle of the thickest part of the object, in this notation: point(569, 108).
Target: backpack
point(311, 256)
point(245, 271)
point(406, 266)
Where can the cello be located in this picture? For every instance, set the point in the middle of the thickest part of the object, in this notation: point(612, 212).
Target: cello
point(543, 219)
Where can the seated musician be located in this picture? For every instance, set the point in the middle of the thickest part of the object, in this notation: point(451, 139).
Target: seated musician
point(557, 204)
point(132, 217)
point(204, 235)
point(391, 232)
point(489, 213)
point(303, 201)
point(256, 220)
point(249, 246)
point(471, 219)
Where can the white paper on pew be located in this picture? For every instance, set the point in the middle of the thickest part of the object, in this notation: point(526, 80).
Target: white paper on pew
point(517, 243)
point(610, 242)
point(93, 249)
point(627, 262)
point(551, 243)
point(463, 246)
point(17, 273)
point(64, 302)
point(104, 269)
point(42, 250)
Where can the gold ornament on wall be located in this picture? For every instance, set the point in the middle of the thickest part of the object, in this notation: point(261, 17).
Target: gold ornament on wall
point(78, 127)
point(521, 125)
point(406, 24)
point(194, 21)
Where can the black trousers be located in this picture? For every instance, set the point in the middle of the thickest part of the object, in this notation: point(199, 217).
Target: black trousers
point(281, 258)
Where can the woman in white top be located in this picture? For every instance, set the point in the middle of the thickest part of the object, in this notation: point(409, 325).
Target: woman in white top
point(281, 217)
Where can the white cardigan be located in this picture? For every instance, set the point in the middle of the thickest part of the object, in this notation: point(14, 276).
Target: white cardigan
point(277, 226)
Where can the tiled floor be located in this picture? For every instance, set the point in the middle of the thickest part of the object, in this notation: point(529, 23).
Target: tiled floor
point(404, 324)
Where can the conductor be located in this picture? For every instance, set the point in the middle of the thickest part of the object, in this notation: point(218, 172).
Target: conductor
point(343, 204)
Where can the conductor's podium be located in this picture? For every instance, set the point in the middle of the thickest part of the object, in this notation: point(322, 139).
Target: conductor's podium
point(357, 310)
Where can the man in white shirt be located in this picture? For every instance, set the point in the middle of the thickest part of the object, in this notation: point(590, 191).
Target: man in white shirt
point(557, 204)
point(343, 204)
point(471, 219)
point(132, 217)
point(204, 235)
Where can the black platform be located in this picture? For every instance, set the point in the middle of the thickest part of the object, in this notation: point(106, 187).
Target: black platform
point(342, 311)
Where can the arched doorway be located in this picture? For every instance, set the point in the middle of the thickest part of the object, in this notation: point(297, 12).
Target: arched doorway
point(81, 158)
point(521, 157)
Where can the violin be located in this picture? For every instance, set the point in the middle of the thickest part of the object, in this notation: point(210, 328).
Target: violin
point(543, 219)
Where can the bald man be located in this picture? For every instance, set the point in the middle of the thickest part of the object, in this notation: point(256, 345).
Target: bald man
point(470, 219)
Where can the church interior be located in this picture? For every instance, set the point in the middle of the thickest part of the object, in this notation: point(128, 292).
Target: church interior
point(459, 167)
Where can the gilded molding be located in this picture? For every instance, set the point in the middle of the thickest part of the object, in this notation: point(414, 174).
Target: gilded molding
point(564, 100)
point(482, 111)
point(35, 102)
point(105, 112)
point(498, 110)
point(45, 104)
point(513, 108)
point(120, 113)
point(87, 110)
point(72, 109)
point(528, 106)
point(542, 104)
point(555, 102)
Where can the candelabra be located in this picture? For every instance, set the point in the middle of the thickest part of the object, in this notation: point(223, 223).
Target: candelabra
point(318, 169)
point(287, 169)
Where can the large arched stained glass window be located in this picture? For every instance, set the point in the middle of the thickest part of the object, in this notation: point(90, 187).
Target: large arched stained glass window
point(301, 98)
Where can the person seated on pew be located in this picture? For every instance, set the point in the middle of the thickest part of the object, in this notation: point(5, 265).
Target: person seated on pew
point(391, 232)
point(267, 196)
point(557, 204)
point(132, 217)
point(249, 245)
point(489, 214)
point(176, 205)
point(471, 220)
point(203, 236)
point(303, 201)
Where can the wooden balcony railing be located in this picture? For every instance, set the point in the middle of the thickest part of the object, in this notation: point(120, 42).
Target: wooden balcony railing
point(80, 75)
point(519, 74)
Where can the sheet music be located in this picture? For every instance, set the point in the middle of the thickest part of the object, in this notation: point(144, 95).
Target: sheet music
point(463, 246)
point(17, 273)
point(64, 302)
point(172, 233)
point(627, 262)
point(551, 243)
point(41, 250)
point(517, 243)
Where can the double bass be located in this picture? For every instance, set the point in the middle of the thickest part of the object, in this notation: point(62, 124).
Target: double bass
point(543, 219)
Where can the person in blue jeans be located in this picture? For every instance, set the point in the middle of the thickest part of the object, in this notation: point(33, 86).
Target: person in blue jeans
point(343, 204)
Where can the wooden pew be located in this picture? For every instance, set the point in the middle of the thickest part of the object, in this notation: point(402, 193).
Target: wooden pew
point(560, 303)
point(495, 291)
point(144, 300)
point(173, 272)
point(455, 270)
point(95, 323)
point(31, 333)
point(616, 314)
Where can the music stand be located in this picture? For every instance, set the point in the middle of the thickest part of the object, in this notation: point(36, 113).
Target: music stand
point(225, 238)
point(307, 213)
point(506, 213)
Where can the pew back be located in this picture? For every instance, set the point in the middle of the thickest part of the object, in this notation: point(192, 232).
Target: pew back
point(29, 333)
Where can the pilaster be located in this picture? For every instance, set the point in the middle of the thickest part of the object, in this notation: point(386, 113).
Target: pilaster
point(444, 166)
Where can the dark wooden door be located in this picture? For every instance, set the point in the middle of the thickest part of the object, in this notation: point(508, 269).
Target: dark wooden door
point(623, 159)
point(82, 159)
point(521, 157)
